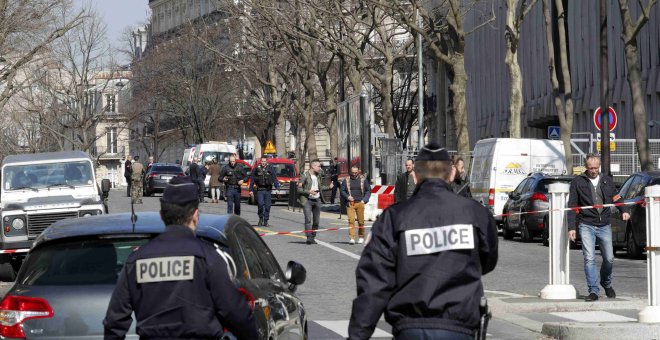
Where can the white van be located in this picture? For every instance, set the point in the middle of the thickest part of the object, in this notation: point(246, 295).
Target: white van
point(499, 164)
point(206, 152)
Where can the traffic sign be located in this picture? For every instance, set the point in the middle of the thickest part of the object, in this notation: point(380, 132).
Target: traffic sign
point(598, 120)
point(612, 137)
point(270, 148)
point(554, 132)
point(612, 146)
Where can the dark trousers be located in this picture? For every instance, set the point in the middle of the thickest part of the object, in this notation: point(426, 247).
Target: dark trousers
point(335, 187)
point(233, 197)
point(200, 190)
point(431, 334)
point(312, 211)
point(128, 186)
point(264, 201)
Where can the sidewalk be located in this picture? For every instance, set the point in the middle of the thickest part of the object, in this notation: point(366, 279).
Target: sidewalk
point(574, 319)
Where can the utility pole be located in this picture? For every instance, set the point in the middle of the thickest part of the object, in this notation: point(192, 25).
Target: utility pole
point(420, 86)
point(604, 91)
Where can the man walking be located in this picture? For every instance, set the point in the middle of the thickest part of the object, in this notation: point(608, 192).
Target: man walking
point(263, 180)
point(197, 175)
point(128, 170)
point(309, 196)
point(232, 176)
point(355, 190)
point(427, 289)
point(199, 302)
point(594, 188)
point(137, 178)
point(460, 184)
point(405, 183)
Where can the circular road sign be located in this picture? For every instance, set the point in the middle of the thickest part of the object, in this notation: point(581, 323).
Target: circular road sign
point(598, 120)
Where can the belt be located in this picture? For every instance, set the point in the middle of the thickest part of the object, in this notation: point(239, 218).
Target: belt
point(235, 186)
point(264, 189)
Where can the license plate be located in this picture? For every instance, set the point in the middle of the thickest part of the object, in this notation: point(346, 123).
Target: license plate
point(166, 177)
point(280, 192)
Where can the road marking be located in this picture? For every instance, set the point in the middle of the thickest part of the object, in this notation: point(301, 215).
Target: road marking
point(593, 316)
point(339, 250)
point(341, 327)
point(499, 292)
point(269, 231)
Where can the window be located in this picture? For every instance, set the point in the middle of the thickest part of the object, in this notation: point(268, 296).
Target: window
point(258, 258)
point(627, 187)
point(110, 103)
point(111, 135)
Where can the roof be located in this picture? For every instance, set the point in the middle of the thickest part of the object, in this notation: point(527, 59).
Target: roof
point(210, 226)
point(45, 156)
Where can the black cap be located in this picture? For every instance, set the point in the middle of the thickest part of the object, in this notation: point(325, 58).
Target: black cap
point(180, 190)
point(433, 152)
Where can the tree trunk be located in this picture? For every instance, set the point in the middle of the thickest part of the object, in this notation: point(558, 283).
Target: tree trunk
point(386, 94)
point(457, 88)
point(639, 111)
point(331, 107)
point(516, 99)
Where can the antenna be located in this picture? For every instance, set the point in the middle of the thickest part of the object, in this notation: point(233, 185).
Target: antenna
point(133, 216)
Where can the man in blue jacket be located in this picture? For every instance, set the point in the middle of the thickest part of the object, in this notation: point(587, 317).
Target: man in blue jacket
point(594, 188)
point(424, 262)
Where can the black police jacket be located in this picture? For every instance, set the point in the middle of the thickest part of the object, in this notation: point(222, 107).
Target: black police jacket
point(580, 195)
point(232, 174)
point(263, 178)
point(424, 262)
point(185, 292)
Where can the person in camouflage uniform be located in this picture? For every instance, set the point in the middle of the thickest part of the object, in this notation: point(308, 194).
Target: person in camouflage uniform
point(136, 179)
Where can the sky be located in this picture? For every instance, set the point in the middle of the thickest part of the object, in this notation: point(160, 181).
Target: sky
point(118, 14)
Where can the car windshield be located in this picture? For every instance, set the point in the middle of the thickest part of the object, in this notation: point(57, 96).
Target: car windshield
point(283, 169)
point(542, 186)
point(88, 262)
point(37, 176)
point(167, 168)
point(222, 157)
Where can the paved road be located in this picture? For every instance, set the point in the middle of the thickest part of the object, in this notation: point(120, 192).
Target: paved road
point(330, 287)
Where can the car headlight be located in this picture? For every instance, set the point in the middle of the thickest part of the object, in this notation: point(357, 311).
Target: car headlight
point(87, 213)
point(18, 223)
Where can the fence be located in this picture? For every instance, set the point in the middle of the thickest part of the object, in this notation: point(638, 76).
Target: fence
point(624, 159)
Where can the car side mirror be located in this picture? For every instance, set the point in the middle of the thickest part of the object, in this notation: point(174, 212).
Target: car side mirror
point(105, 186)
point(295, 273)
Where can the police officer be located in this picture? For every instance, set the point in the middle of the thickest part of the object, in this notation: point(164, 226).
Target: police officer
point(232, 175)
point(190, 293)
point(197, 175)
point(428, 252)
point(263, 179)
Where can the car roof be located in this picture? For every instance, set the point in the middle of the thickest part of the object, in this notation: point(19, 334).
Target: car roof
point(46, 156)
point(653, 174)
point(210, 226)
point(166, 164)
point(548, 176)
point(281, 160)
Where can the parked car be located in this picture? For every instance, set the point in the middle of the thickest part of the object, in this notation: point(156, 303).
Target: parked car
point(63, 289)
point(285, 171)
point(631, 234)
point(156, 179)
point(530, 195)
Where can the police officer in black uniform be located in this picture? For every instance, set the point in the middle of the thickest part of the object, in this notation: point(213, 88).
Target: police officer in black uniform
point(263, 179)
point(194, 298)
point(422, 266)
point(232, 175)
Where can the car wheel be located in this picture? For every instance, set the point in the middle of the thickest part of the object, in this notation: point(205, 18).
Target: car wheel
point(633, 250)
point(545, 235)
point(507, 233)
point(525, 235)
point(7, 271)
point(251, 200)
point(147, 193)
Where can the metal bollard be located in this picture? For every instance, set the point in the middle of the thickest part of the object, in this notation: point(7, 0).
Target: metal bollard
point(559, 287)
point(651, 313)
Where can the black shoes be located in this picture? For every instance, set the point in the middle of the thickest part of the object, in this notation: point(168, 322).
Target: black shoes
point(261, 221)
point(265, 223)
point(610, 292)
point(311, 242)
point(591, 297)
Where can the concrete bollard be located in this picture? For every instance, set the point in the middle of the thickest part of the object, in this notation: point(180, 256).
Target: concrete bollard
point(559, 287)
point(651, 313)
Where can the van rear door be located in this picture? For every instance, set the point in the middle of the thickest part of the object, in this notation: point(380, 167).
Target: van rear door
point(481, 170)
point(512, 164)
point(548, 157)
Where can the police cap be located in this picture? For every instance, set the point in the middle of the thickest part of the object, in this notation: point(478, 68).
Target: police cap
point(180, 190)
point(433, 152)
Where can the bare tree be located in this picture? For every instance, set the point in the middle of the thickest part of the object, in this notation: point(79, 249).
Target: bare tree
point(629, 36)
point(516, 11)
point(562, 95)
point(27, 29)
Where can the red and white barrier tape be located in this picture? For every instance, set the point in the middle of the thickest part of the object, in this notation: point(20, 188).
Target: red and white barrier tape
point(13, 251)
point(576, 209)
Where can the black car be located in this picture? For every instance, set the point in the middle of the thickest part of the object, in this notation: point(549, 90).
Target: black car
point(529, 196)
point(156, 179)
point(631, 234)
point(64, 286)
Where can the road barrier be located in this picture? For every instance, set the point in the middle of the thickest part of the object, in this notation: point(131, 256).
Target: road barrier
point(651, 313)
point(559, 287)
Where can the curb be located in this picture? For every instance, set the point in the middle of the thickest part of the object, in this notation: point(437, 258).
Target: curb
point(601, 331)
point(532, 304)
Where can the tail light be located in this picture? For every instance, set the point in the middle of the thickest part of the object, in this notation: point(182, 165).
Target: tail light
point(14, 310)
point(537, 196)
point(153, 174)
point(491, 196)
point(182, 174)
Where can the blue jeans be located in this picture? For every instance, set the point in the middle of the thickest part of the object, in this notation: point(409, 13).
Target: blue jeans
point(431, 334)
point(592, 235)
point(233, 201)
point(264, 201)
